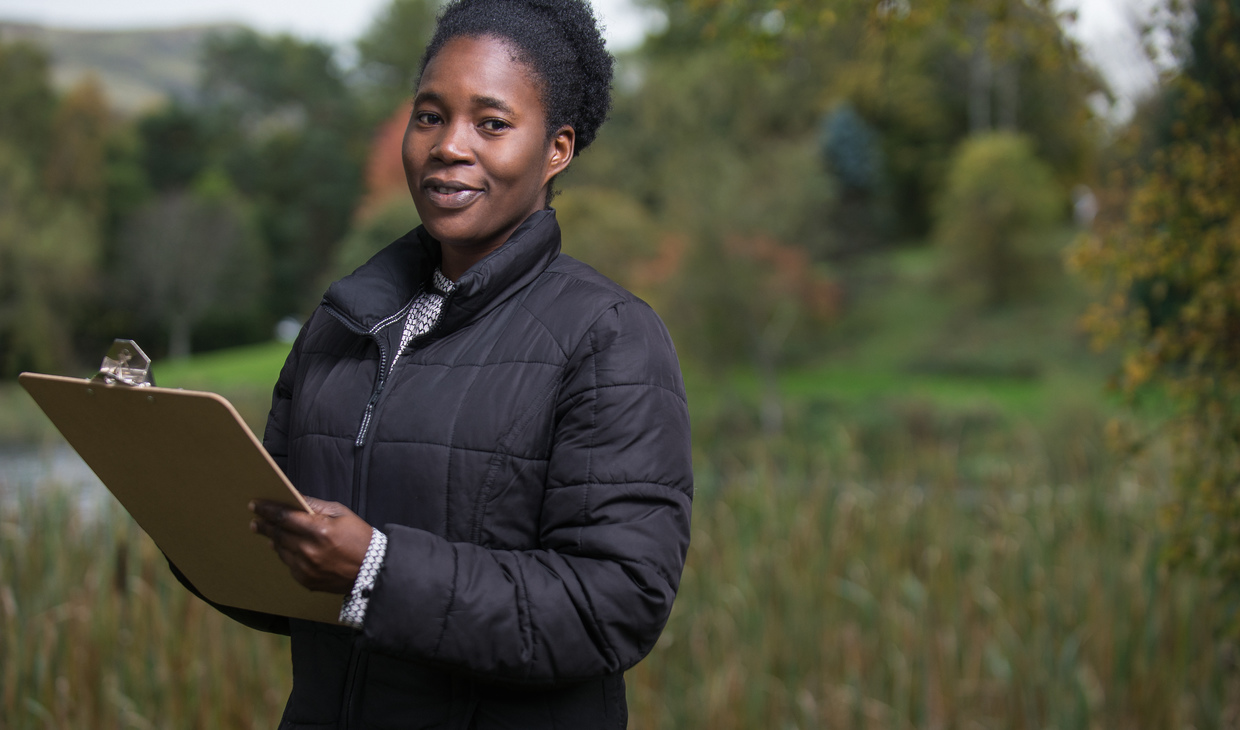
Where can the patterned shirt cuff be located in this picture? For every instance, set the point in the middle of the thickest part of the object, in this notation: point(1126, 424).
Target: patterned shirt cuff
point(354, 610)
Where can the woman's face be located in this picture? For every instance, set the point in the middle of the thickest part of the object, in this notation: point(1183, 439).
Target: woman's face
point(476, 153)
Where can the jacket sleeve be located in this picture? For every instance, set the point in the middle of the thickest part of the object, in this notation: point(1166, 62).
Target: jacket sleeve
point(275, 436)
point(614, 532)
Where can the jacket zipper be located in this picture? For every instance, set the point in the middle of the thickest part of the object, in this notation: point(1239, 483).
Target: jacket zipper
point(387, 369)
point(381, 380)
point(350, 680)
point(359, 469)
point(355, 492)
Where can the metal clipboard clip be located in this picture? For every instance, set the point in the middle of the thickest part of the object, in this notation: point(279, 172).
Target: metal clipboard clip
point(125, 364)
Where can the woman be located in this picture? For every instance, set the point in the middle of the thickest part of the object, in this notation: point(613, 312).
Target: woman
point(495, 435)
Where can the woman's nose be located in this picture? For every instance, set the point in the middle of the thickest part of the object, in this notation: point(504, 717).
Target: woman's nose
point(453, 144)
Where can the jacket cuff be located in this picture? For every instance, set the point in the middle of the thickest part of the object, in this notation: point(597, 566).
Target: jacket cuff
point(353, 612)
point(413, 595)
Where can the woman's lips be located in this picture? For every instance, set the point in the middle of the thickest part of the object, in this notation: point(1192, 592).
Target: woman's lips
point(451, 196)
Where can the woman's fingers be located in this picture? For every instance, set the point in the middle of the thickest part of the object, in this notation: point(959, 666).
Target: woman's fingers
point(323, 549)
point(278, 521)
point(282, 516)
point(325, 508)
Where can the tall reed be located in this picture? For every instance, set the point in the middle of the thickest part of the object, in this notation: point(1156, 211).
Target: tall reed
point(933, 579)
point(898, 568)
point(96, 633)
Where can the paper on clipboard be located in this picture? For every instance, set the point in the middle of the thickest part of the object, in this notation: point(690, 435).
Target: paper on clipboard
point(185, 466)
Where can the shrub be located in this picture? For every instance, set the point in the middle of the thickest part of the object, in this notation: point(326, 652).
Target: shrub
point(999, 202)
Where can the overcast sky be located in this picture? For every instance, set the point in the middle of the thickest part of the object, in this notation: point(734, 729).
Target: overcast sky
point(330, 20)
point(1107, 28)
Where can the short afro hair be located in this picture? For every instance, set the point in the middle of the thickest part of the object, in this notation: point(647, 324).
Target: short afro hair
point(558, 39)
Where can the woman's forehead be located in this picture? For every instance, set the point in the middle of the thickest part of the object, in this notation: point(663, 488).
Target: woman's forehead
point(489, 65)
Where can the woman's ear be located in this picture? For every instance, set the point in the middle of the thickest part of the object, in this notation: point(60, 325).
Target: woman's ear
point(560, 151)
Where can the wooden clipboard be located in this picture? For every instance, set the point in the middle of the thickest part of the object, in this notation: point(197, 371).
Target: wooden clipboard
point(185, 466)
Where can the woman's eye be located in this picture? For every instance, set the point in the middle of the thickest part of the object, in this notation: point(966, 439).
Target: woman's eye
point(427, 118)
point(495, 125)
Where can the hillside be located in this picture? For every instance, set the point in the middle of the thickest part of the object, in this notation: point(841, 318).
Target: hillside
point(138, 68)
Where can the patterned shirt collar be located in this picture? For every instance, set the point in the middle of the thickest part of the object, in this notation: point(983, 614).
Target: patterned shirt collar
point(441, 283)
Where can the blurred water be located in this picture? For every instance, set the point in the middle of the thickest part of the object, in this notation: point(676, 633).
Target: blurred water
point(26, 471)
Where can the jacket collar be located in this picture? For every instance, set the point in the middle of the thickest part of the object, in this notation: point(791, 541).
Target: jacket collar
point(379, 289)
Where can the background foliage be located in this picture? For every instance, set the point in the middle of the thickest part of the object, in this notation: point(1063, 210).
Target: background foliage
point(916, 506)
point(997, 207)
point(1167, 261)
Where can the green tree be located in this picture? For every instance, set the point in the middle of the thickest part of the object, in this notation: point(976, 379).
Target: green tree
point(48, 252)
point(852, 152)
point(388, 221)
point(27, 102)
point(176, 145)
point(390, 51)
point(999, 203)
point(126, 185)
point(187, 253)
point(292, 137)
point(1167, 265)
point(922, 75)
point(716, 157)
point(608, 229)
point(76, 167)
point(52, 194)
point(275, 81)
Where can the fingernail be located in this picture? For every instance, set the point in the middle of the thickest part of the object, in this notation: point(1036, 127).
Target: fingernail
point(251, 505)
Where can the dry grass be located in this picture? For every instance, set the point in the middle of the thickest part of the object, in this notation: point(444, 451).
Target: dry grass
point(98, 634)
point(812, 599)
point(915, 571)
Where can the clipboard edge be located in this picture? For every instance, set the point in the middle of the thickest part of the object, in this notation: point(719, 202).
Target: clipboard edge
point(299, 499)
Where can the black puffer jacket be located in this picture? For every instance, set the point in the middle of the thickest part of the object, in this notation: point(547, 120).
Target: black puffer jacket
point(529, 462)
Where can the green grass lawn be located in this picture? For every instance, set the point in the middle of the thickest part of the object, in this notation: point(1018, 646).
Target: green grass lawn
point(244, 375)
point(906, 337)
point(254, 366)
point(903, 338)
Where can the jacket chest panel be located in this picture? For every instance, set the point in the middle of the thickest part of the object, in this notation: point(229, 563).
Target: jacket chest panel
point(333, 393)
point(454, 439)
point(459, 437)
point(474, 407)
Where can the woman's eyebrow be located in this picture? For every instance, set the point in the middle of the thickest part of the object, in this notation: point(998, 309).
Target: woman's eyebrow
point(425, 96)
point(479, 101)
point(490, 102)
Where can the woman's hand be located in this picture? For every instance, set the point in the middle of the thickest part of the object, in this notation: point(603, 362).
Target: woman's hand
point(323, 550)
